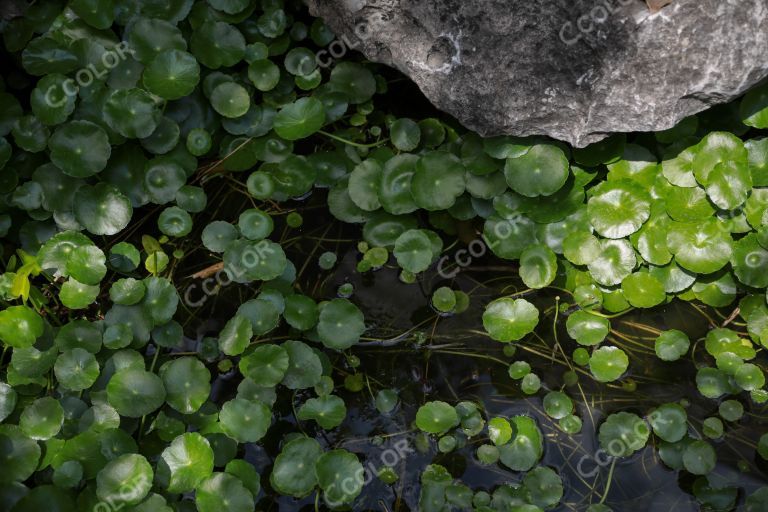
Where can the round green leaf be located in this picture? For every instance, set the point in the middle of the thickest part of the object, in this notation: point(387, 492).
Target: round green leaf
point(132, 113)
point(217, 44)
point(135, 392)
point(542, 171)
point(437, 181)
point(79, 148)
point(340, 324)
point(76, 369)
point(300, 119)
point(616, 261)
point(702, 247)
point(538, 266)
point(42, 419)
point(699, 458)
point(618, 208)
point(189, 460)
point(172, 74)
point(557, 404)
point(509, 319)
point(187, 383)
point(102, 209)
point(222, 491)
point(669, 422)
point(230, 99)
point(126, 480)
point(642, 290)
point(292, 473)
point(245, 421)
point(672, 345)
point(622, 434)
point(265, 365)
point(608, 363)
point(339, 475)
point(405, 134)
point(20, 326)
point(587, 329)
point(304, 368)
point(328, 411)
point(436, 417)
point(525, 448)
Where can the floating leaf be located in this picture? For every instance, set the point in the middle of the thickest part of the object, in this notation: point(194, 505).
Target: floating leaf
point(616, 261)
point(245, 421)
point(437, 181)
point(230, 99)
point(557, 404)
point(189, 460)
point(132, 113)
point(544, 487)
point(77, 295)
point(340, 324)
point(618, 208)
point(79, 148)
point(304, 369)
point(749, 260)
point(328, 411)
point(300, 119)
point(292, 474)
point(134, 392)
point(703, 247)
point(586, 328)
point(338, 474)
point(436, 417)
point(538, 266)
point(509, 319)
point(699, 458)
point(541, 171)
point(265, 365)
point(525, 448)
point(672, 345)
point(217, 44)
point(102, 209)
point(126, 480)
point(222, 491)
point(405, 134)
point(20, 326)
point(669, 422)
point(413, 250)
point(42, 419)
point(171, 74)
point(187, 383)
point(642, 290)
point(622, 434)
point(608, 363)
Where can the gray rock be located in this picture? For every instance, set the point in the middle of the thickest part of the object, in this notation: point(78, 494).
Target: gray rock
point(576, 70)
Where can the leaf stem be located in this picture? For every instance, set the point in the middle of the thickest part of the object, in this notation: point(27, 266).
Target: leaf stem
point(608, 483)
point(351, 143)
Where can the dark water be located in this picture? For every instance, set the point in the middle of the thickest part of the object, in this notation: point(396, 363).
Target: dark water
point(425, 357)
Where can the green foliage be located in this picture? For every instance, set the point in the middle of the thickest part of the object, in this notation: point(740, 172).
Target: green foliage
point(153, 149)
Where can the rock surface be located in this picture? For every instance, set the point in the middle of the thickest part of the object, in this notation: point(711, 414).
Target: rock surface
point(576, 70)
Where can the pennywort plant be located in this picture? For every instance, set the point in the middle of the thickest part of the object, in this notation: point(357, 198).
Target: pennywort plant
point(121, 125)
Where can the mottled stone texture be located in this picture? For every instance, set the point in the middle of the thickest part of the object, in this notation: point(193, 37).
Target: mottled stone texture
point(576, 70)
